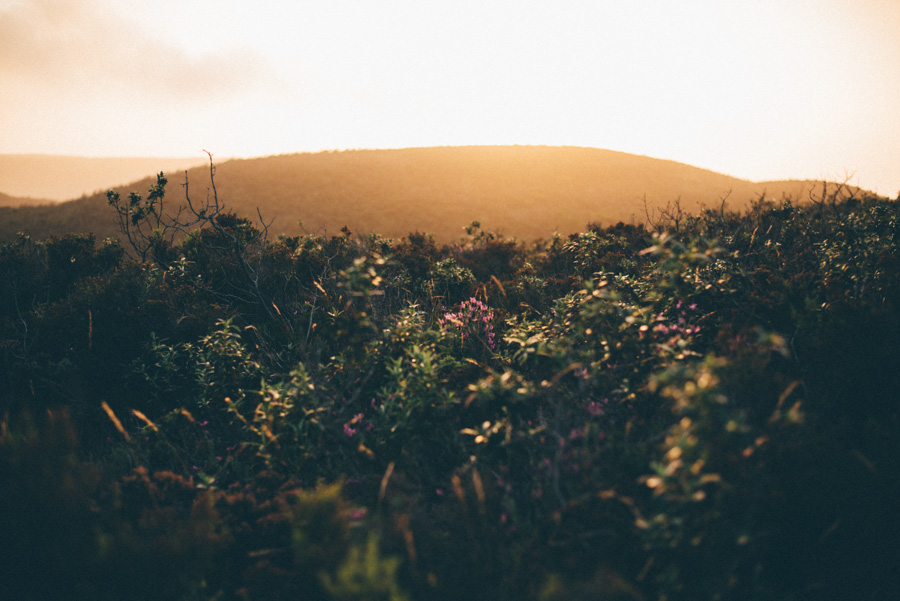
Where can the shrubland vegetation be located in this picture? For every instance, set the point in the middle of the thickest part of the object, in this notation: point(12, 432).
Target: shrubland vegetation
point(702, 408)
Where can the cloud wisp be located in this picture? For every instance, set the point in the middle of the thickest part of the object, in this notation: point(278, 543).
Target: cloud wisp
point(79, 49)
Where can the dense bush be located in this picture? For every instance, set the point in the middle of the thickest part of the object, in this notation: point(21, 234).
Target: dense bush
point(705, 409)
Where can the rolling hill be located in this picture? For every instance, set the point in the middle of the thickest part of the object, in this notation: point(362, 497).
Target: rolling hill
point(525, 192)
point(15, 201)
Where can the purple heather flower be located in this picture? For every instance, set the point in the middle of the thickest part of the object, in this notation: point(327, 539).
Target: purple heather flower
point(596, 409)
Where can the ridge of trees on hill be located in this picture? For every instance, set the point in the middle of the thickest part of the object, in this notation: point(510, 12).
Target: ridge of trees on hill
point(703, 407)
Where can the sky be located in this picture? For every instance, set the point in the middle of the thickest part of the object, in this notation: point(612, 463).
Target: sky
point(757, 89)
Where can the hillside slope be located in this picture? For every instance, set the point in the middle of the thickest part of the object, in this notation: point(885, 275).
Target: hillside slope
point(521, 191)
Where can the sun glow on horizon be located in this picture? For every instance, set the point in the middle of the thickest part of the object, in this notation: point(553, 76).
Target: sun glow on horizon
point(764, 91)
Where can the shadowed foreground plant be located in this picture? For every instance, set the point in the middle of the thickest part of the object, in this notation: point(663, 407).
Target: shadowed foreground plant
point(365, 576)
point(695, 421)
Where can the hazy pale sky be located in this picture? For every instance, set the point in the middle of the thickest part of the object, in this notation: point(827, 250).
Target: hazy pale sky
point(758, 89)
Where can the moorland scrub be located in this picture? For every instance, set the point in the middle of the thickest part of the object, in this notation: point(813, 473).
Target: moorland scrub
point(700, 408)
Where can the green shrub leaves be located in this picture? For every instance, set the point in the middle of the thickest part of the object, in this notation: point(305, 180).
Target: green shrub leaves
point(707, 413)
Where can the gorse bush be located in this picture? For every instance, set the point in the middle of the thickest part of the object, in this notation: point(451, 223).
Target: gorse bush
point(705, 409)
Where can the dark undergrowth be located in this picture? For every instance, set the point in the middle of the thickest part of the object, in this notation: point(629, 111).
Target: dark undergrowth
point(705, 409)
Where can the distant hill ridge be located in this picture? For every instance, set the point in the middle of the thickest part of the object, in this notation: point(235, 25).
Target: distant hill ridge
point(525, 192)
point(61, 177)
point(16, 201)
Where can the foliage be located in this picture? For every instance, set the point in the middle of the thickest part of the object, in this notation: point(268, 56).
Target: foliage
point(707, 413)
